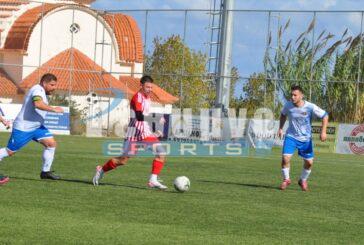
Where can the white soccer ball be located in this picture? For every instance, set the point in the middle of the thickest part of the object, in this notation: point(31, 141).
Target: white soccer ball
point(182, 184)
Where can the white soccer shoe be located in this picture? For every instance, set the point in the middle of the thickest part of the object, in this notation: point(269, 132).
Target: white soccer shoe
point(156, 185)
point(98, 175)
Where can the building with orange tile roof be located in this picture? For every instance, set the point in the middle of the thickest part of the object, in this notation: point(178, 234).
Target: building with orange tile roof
point(91, 52)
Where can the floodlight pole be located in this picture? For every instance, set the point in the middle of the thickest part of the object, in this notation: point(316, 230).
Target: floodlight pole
point(224, 63)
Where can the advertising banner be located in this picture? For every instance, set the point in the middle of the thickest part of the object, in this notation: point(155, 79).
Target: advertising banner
point(57, 123)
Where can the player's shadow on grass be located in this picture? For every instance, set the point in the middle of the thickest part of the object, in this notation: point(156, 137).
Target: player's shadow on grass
point(87, 182)
point(171, 191)
point(78, 181)
point(240, 184)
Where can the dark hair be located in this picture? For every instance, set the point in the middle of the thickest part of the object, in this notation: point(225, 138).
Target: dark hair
point(48, 77)
point(146, 79)
point(297, 87)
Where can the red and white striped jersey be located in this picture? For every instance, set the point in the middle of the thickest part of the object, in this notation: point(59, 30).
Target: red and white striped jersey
point(139, 130)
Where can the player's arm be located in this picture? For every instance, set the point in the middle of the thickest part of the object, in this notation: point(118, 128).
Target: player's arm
point(2, 120)
point(138, 108)
point(282, 121)
point(325, 122)
point(39, 104)
point(320, 113)
point(5, 122)
point(139, 116)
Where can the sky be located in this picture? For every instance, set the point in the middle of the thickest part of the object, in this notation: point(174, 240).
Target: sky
point(250, 28)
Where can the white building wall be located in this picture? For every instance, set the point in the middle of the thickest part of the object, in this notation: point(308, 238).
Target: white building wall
point(118, 116)
point(138, 70)
point(6, 100)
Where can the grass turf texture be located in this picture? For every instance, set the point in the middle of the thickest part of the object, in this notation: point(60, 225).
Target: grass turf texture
point(231, 201)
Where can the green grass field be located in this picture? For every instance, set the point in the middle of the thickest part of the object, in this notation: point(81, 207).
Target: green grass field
point(231, 201)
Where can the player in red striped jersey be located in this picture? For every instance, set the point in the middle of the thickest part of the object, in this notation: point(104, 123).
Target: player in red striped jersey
point(138, 132)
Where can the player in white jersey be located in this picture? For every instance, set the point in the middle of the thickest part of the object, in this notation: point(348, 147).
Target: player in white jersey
point(29, 125)
point(138, 134)
point(299, 134)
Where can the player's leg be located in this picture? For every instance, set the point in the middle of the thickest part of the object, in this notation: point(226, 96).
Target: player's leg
point(306, 152)
point(157, 166)
point(49, 151)
point(108, 166)
point(158, 163)
point(286, 159)
point(129, 149)
point(289, 147)
point(17, 140)
point(5, 152)
point(44, 137)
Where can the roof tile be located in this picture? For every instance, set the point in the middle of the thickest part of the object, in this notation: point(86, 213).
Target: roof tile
point(76, 72)
point(86, 76)
point(128, 36)
point(7, 86)
point(19, 34)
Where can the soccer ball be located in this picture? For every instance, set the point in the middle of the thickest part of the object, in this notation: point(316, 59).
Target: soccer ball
point(182, 184)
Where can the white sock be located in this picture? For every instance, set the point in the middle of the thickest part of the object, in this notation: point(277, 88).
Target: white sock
point(285, 173)
point(305, 173)
point(48, 156)
point(3, 153)
point(153, 178)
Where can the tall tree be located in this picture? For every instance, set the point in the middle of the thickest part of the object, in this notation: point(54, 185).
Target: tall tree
point(257, 92)
point(180, 71)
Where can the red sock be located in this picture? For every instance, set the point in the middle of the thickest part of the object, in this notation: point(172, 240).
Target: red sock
point(157, 167)
point(109, 165)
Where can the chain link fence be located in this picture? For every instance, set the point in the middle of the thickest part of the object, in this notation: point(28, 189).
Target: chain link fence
point(95, 51)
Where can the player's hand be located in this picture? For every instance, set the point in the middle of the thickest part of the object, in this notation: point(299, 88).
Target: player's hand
point(280, 133)
point(6, 124)
point(162, 121)
point(58, 109)
point(323, 136)
point(158, 134)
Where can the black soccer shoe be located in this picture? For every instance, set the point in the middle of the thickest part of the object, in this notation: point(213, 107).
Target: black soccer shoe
point(49, 175)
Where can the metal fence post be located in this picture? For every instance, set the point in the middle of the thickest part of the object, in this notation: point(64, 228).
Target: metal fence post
point(145, 37)
point(183, 59)
point(312, 54)
point(267, 47)
point(357, 118)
